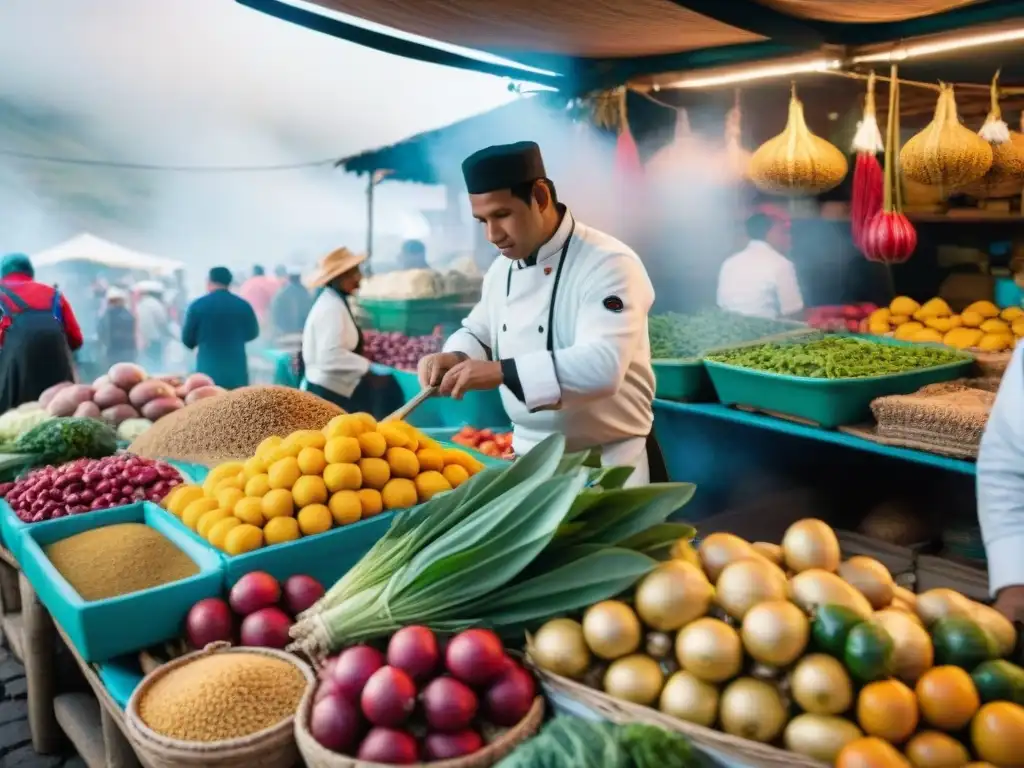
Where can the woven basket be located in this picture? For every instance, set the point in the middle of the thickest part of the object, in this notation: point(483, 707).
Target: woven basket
point(273, 747)
point(735, 751)
point(992, 364)
point(317, 756)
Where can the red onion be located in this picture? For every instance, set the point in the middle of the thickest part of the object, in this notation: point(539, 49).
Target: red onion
point(889, 238)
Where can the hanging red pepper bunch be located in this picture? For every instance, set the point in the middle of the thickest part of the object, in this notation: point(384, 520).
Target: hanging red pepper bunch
point(889, 237)
point(868, 179)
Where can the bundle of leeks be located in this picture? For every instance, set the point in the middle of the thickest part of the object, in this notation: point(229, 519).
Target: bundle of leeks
point(510, 547)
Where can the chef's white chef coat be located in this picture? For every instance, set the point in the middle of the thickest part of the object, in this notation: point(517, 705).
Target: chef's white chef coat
point(329, 339)
point(759, 281)
point(595, 385)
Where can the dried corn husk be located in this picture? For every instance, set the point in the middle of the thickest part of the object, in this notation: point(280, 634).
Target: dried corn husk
point(946, 154)
point(796, 162)
point(1006, 176)
point(737, 157)
point(868, 138)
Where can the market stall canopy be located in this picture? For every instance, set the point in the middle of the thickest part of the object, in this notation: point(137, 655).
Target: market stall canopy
point(585, 44)
point(86, 247)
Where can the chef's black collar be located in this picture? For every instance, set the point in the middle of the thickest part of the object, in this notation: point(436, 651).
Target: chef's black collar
point(531, 260)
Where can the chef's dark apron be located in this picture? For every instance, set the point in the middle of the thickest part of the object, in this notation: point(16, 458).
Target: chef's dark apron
point(656, 469)
point(35, 354)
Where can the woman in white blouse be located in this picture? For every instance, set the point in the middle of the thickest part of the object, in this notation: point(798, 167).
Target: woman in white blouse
point(332, 344)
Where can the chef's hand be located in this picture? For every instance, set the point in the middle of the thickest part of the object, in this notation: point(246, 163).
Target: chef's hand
point(1010, 602)
point(470, 375)
point(432, 368)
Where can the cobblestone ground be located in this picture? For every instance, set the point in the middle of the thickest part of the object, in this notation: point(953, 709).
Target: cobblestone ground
point(15, 739)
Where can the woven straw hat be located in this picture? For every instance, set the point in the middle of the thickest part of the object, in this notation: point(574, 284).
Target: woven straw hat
point(334, 264)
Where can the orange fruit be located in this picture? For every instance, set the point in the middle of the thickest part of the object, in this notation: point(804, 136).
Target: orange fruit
point(931, 749)
point(887, 709)
point(870, 752)
point(997, 733)
point(311, 461)
point(277, 503)
point(947, 697)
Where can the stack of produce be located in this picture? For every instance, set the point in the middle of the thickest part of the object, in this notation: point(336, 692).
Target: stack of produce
point(398, 350)
point(740, 636)
point(571, 742)
point(233, 425)
point(487, 553)
point(981, 327)
point(403, 284)
point(316, 479)
point(222, 696)
point(126, 393)
point(835, 358)
point(675, 336)
point(487, 441)
point(947, 418)
point(117, 560)
point(88, 484)
point(57, 441)
point(416, 701)
point(843, 317)
point(259, 611)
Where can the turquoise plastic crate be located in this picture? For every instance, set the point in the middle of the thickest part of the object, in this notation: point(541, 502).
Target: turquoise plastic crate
point(829, 403)
point(681, 380)
point(120, 676)
point(413, 317)
point(445, 435)
point(194, 473)
point(474, 408)
point(103, 629)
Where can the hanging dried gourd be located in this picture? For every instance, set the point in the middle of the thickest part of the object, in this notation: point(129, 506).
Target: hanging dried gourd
point(736, 156)
point(889, 237)
point(946, 154)
point(1006, 176)
point(868, 179)
point(796, 162)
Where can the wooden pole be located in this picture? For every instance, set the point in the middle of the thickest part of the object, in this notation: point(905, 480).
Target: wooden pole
point(370, 184)
point(40, 677)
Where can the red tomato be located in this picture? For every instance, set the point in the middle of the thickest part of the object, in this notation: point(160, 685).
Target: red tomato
point(487, 446)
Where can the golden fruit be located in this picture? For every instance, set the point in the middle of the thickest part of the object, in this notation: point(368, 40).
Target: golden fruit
point(195, 510)
point(267, 447)
point(931, 749)
point(311, 461)
point(252, 467)
point(309, 489)
point(913, 653)
point(398, 492)
point(207, 521)
point(611, 629)
point(403, 463)
point(394, 436)
point(821, 685)
point(284, 472)
point(689, 698)
point(346, 425)
point(342, 477)
point(870, 752)
point(635, 678)
point(375, 473)
point(752, 709)
point(277, 503)
point(887, 709)
point(371, 501)
point(719, 550)
point(815, 587)
point(947, 697)
point(314, 519)
point(342, 450)
point(346, 507)
point(941, 603)
point(821, 737)
point(560, 648)
point(870, 578)
point(250, 510)
point(219, 532)
point(745, 583)
point(181, 497)
point(280, 530)
point(455, 474)
point(243, 538)
point(810, 544)
point(429, 484)
point(775, 632)
point(673, 595)
point(258, 486)
point(228, 497)
point(306, 438)
point(372, 445)
point(997, 734)
point(430, 459)
point(710, 649)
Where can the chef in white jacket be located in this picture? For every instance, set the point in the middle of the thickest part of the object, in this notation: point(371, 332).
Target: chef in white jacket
point(561, 326)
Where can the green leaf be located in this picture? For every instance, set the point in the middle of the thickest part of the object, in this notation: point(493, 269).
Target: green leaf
point(587, 499)
point(593, 459)
point(585, 581)
point(673, 497)
point(657, 535)
point(618, 505)
point(571, 462)
point(612, 478)
point(524, 529)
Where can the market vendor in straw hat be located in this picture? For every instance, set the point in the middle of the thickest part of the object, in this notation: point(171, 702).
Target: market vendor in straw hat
point(561, 327)
point(332, 363)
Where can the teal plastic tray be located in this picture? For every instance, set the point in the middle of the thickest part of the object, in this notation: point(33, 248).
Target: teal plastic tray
point(476, 408)
point(103, 629)
point(828, 403)
point(120, 676)
point(683, 380)
point(414, 317)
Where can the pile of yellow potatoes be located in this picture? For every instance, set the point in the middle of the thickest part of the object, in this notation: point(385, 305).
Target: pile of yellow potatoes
point(314, 480)
point(982, 326)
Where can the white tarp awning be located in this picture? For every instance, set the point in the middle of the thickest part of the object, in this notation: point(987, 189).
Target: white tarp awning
point(86, 247)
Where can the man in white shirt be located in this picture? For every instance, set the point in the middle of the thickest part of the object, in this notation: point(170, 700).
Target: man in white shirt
point(759, 280)
point(1000, 486)
point(561, 326)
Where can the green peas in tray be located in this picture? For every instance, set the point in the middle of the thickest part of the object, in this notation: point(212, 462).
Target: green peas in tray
point(674, 336)
point(836, 357)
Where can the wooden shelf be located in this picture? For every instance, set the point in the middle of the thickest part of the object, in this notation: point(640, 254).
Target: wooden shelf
point(14, 631)
point(81, 720)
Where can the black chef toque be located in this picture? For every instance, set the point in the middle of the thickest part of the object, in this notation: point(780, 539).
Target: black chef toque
point(502, 167)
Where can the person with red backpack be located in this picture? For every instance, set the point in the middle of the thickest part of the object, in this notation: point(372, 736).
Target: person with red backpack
point(38, 333)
